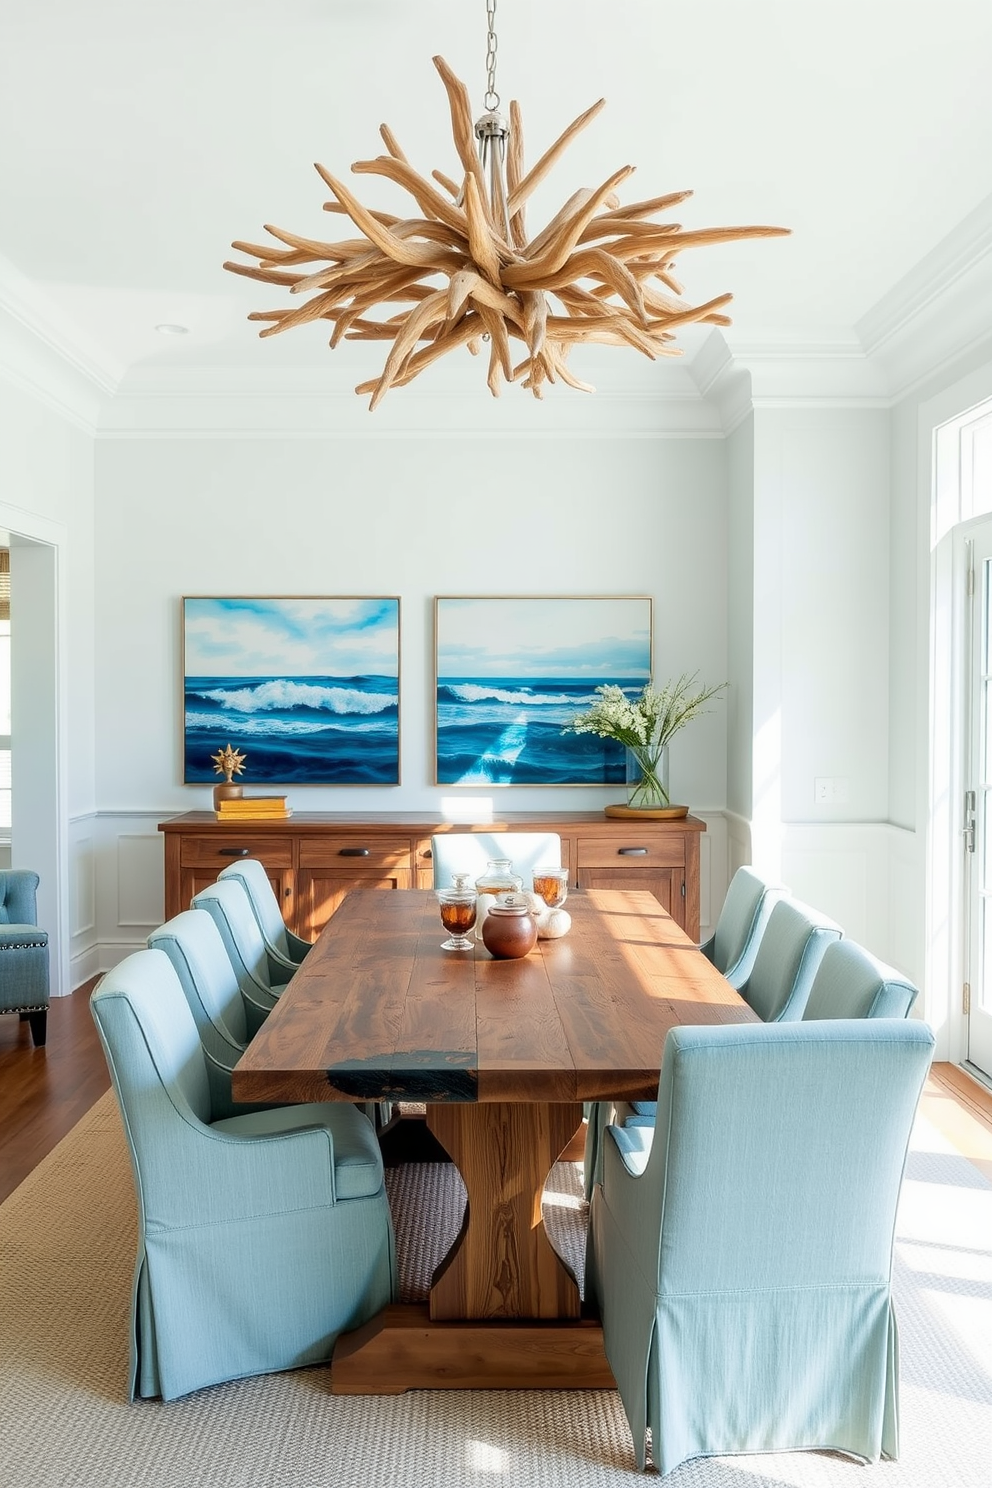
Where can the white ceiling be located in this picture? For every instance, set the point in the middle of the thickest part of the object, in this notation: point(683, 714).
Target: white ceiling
point(138, 139)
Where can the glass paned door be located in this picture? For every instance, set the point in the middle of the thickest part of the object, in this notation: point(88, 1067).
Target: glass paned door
point(978, 812)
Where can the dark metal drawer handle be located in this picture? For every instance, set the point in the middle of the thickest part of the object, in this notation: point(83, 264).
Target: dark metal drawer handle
point(353, 852)
point(427, 852)
point(233, 852)
point(632, 852)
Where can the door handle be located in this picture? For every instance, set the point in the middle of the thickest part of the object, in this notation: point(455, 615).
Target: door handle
point(232, 852)
point(968, 830)
point(632, 852)
point(353, 852)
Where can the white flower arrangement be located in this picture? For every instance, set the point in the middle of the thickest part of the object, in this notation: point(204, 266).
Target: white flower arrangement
point(645, 724)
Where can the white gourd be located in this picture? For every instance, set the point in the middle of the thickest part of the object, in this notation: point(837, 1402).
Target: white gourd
point(553, 924)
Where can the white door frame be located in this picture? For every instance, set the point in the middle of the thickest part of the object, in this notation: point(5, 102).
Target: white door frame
point(952, 500)
point(39, 815)
point(976, 1026)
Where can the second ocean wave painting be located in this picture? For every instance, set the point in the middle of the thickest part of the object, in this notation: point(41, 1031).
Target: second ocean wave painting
point(511, 673)
point(307, 688)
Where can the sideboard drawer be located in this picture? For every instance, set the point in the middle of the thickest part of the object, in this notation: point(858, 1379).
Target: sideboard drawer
point(632, 848)
point(353, 852)
point(220, 849)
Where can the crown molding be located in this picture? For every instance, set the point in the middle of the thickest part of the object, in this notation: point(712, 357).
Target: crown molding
point(938, 313)
point(37, 369)
point(26, 304)
point(958, 255)
point(722, 381)
point(630, 401)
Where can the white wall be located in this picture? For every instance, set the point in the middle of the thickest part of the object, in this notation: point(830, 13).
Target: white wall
point(448, 514)
point(46, 501)
point(925, 762)
point(46, 471)
point(822, 546)
point(740, 620)
point(820, 659)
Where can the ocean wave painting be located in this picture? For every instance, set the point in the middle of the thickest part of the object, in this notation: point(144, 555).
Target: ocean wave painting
point(511, 673)
point(306, 689)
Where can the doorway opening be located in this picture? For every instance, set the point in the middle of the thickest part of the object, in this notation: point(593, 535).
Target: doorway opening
point(959, 928)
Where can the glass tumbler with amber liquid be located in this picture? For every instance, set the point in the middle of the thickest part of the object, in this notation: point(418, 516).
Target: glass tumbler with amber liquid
point(459, 905)
point(552, 885)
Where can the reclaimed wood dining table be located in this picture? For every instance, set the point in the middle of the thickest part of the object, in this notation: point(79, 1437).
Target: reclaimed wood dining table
point(503, 1053)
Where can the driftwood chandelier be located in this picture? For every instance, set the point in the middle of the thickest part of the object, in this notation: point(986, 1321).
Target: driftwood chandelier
point(467, 272)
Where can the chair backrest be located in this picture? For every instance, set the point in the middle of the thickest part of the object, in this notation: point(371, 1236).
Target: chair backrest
point(265, 905)
point(469, 852)
point(791, 949)
point(199, 957)
point(741, 924)
point(18, 896)
point(228, 903)
point(154, 1054)
point(802, 1131)
point(851, 983)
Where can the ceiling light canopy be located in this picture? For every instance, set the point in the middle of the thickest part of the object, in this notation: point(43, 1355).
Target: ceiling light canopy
point(467, 271)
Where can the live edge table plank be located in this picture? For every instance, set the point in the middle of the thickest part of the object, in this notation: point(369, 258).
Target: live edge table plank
point(503, 1053)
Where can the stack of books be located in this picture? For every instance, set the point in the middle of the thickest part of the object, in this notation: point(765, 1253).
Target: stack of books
point(253, 808)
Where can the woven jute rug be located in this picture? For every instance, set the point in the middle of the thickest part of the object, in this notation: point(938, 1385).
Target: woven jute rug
point(66, 1258)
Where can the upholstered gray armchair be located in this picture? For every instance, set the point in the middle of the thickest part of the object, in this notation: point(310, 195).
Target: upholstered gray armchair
point(23, 951)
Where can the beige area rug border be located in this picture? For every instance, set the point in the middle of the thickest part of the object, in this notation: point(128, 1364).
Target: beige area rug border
point(66, 1258)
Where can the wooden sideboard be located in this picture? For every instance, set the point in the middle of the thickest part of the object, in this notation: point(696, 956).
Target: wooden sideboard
point(315, 857)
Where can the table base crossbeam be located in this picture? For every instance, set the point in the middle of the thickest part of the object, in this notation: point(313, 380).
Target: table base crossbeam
point(401, 1349)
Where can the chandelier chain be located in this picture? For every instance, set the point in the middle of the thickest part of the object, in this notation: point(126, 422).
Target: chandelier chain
point(492, 97)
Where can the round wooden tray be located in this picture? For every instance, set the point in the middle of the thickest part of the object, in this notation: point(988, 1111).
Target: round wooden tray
point(663, 813)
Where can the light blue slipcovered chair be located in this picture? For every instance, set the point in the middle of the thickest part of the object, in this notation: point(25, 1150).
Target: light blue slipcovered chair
point(469, 852)
point(223, 1021)
point(733, 946)
point(24, 985)
point(740, 1250)
point(225, 1015)
point(792, 945)
point(228, 904)
point(851, 983)
point(791, 949)
point(732, 949)
point(261, 1237)
point(286, 950)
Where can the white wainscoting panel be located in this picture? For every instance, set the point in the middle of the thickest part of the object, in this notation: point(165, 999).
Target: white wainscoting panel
point(713, 870)
point(739, 853)
point(84, 959)
point(130, 882)
point(845, 870)
point(140, 881)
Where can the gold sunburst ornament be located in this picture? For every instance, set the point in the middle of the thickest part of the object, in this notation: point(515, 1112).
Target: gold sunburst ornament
point(229, 762)
point(466, 270)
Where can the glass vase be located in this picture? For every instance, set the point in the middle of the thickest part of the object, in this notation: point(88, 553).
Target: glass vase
point(647, 777)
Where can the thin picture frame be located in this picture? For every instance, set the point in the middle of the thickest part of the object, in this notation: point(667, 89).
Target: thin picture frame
point(510, 671)
point(307, 687)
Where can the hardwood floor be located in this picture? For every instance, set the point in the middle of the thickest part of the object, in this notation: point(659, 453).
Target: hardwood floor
point(44, 1092)
point(961, 1110)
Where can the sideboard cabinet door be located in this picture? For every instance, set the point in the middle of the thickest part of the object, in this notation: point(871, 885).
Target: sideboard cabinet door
point(330, 866)
point(202, 856)
point(636, 858)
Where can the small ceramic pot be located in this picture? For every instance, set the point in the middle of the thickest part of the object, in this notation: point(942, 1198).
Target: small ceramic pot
point(509, 929)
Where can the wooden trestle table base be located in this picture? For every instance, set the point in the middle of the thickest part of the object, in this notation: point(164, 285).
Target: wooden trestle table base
point(503, 1053)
